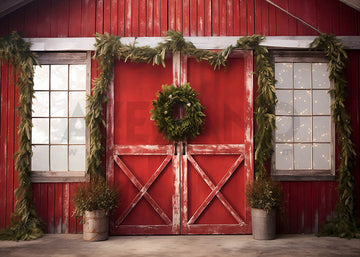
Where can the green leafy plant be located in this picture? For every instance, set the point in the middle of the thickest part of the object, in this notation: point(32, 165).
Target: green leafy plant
point(264, 194)
point(95, 195)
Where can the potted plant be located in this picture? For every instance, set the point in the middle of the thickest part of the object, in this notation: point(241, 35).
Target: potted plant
point(93, 202)
point(264, 197)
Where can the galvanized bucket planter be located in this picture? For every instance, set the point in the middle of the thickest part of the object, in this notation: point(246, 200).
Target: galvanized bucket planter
point(96, 226)
point(263, 224)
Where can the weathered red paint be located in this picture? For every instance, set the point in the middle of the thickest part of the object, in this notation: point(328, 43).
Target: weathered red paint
point(307, 203)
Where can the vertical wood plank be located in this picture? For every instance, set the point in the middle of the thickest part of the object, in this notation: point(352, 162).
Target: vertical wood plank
point(37, 197)
point(208, 18)
point(74, 18)
point(259, 22)
point(324, 15)
point(150, 18)
point(128, 13)
point(44, 204)
point(58, 207)
point(88, 18)
point(107, 16)
point(60, 20)
point(31, 14)
point(201, 18)
point(186, 18)
point(157, 18)
point(164, 17)
point(135, 18)
point(51, 208)
point(315, 207)
point(250, 17)
point(222, 18)
point(282, 19)
point(294, 213)
point(72, 219)
point(272, 20)
point(114, 17)
point(322, 203)
point(301, 207)
point(215, 17)
point(172, 14)
point(121, 18)
point(99, 23)
point(348, 20)
point(142, 18)
point(66, 208)
point(229, 18)
point(292, 23)
point(179, 15)
point(286, 221)
point(236, 18)
point(193, 18)
point(307, 208)
point(243, 18)
point(43, 28)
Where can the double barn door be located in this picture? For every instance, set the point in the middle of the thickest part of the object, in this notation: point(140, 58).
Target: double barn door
point(194, 187)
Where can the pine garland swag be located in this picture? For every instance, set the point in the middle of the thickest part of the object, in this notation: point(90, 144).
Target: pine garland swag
point(25, 222)
point(344, 224)
point(178, 130)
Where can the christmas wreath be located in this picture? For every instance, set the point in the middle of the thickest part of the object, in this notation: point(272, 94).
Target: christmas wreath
point(172, 98)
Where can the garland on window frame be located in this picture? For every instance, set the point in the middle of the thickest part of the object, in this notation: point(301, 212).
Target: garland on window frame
point(25, 222)
point(344, 224)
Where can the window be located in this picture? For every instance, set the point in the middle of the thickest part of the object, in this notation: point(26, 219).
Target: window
point(59, 135)
point(304, 138)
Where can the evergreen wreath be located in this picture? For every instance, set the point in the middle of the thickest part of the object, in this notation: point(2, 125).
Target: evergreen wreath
point(167, 101)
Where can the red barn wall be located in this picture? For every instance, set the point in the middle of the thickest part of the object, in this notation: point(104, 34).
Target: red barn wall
point(307, 203)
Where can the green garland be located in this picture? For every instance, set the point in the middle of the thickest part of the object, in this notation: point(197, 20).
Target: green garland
point(25, 222)
point(162, 113)
point(344, 224)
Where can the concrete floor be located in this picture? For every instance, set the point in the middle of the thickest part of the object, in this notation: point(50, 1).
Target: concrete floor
point(229, 245)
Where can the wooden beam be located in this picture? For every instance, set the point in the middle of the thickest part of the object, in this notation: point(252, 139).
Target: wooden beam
point(272, 42)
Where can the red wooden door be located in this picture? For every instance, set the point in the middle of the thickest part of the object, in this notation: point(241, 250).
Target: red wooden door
point(217, 165)
point(199, 187)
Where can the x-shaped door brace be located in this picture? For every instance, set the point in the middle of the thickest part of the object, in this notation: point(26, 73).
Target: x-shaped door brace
point(215, 190)
point(143, 190)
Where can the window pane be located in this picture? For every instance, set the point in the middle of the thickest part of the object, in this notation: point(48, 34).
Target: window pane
point(40, 158)
point(77, 158)
point(41, 77)
point(59, 103)
point(59, 131)
point(321, 129)
point(283, 75)
point(40, 131)
point(302, 75)
point(302, 154)
point(59, 77)
point(320, 75)
point(284, 156)
point(40, 104)
point(302, 102)
point(321, 156)
point(284, 105)
point(77, 130)
point(284, 131)
point(58, 158)
point(77, 103)
point(77, 77)
point(321, 102)
point(302, 129)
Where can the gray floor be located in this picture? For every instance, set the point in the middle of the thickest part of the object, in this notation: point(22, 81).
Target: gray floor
point(228, 245)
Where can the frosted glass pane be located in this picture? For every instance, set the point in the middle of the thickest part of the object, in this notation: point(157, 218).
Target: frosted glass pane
point(40, 131)
point(77, 104)
point(284, 106)
point(59, 77)
point(302, 129)
point(284, 131)
point(58, 158)
point(59, 104)
point(40, 158)
point(321, 156)
point(302, 155)
point(41, 77)
point(40, 105)
point(77, 77)
point(284, 75)
point(77, 158)
point(59, 131)
point(320, 75)
point(284, 157)
point(321, 129)
point(302, 75)
point(77, 131)
point(302, 102)
point(321, 102)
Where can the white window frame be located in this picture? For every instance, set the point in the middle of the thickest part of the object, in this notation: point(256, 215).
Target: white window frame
point(66, 58)
point(311, 174)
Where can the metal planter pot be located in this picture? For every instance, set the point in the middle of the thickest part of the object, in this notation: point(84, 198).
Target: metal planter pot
point(96, 226)
point(263, 224)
